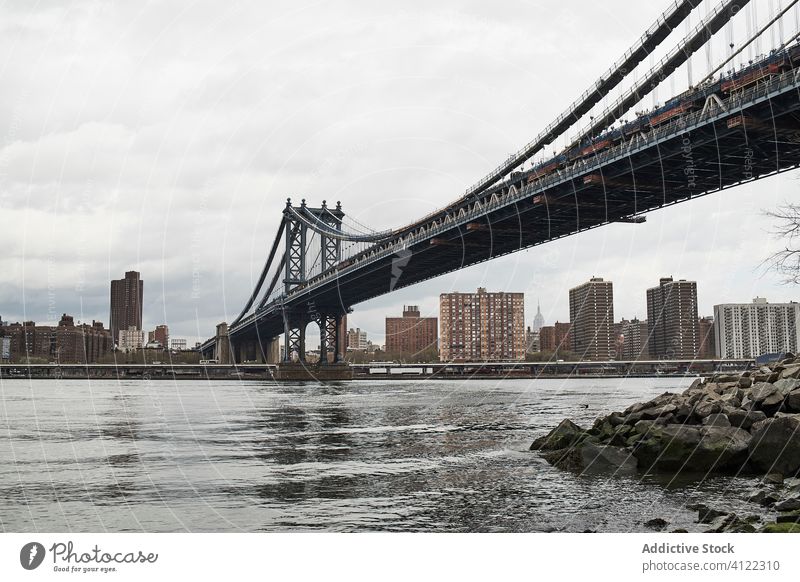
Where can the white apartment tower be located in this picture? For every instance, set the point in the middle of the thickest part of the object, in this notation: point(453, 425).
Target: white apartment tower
point(748, 330)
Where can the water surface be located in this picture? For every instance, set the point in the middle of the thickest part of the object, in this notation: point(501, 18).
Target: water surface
point(389, 455)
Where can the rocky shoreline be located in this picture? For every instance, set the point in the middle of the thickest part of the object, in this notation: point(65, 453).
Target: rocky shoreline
point(742, 424)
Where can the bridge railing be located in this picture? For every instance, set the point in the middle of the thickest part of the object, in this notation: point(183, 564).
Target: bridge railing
point(678, 125)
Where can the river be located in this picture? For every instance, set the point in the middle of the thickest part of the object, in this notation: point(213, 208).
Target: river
point(393, 455)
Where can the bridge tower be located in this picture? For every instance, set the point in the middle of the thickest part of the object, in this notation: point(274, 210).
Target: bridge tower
point(329, 318)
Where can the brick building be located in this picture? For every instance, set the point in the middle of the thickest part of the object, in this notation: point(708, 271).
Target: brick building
point(160, 334)
point(672, 319)
point(65, 343)
point(591, 313)
point(555, 338)
point(705, 335)
point(481, 326)
point(126, 303)
point(411, 334)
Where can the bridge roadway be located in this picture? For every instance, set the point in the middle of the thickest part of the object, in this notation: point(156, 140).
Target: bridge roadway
point(693, 155)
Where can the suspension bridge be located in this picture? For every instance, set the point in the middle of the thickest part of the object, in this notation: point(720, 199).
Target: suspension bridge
point(736, 125)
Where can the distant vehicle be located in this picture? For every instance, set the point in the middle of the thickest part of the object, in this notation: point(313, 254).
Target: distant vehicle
point(207, 362)
point(154, 363)
point(559, 361)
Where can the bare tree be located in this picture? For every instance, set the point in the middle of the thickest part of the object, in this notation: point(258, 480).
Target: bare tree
point(787, 229)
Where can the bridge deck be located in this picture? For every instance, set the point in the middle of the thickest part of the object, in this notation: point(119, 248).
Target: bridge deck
point(693, 155)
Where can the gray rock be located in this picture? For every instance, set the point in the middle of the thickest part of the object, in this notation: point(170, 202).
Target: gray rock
point(615, 419)
point(726, 378)
point(786, 385)
point(716, 420)
point(643, 426)
point(793, 400)
point(708, 514)
point(695, 384)
point(773, 478)
point(745, 382)
point(566, 434)
point(761, 391)
point(791, 371)
point(745, 418)
point(791, 504)
point(657, 411)
point(762, 497)
point(657, 524)
point(775, 445)
point(707, 408)
point(772, 402)
point(790, 517)
point(607, 459)
point(693, 448)
point(787, 415)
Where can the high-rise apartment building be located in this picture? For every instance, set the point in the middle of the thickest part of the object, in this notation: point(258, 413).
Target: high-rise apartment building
point(126, 303)
point(481, 326)
point(591, 314)
point(411, 334)
point(672, 319)
point(634, 339)
point(749, 330)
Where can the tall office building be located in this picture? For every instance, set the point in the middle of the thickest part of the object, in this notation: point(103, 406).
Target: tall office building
point(126, 303)
point(749, 330)
point(411, 334)
point(591, 313)
point(481, 326)
point(672, 319)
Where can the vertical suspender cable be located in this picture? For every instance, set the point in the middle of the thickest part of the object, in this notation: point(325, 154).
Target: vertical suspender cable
point(688, 62)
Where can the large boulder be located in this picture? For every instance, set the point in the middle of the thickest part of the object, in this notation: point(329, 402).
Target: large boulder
point(793, 400)
point(761, 391)
point(786, 385)
point(716, 420)
point(775, 445)
point(790, 371)
point(791, 504)
point(693, 448)
point(607, 459)
point(745, 418)
point(565, 435)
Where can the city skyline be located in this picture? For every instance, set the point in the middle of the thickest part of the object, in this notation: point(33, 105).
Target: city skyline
point(378, 336)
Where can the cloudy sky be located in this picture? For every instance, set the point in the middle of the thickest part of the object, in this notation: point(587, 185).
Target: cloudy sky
point(165, 137)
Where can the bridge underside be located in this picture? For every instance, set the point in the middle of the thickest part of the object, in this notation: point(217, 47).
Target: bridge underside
point(713, 157)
